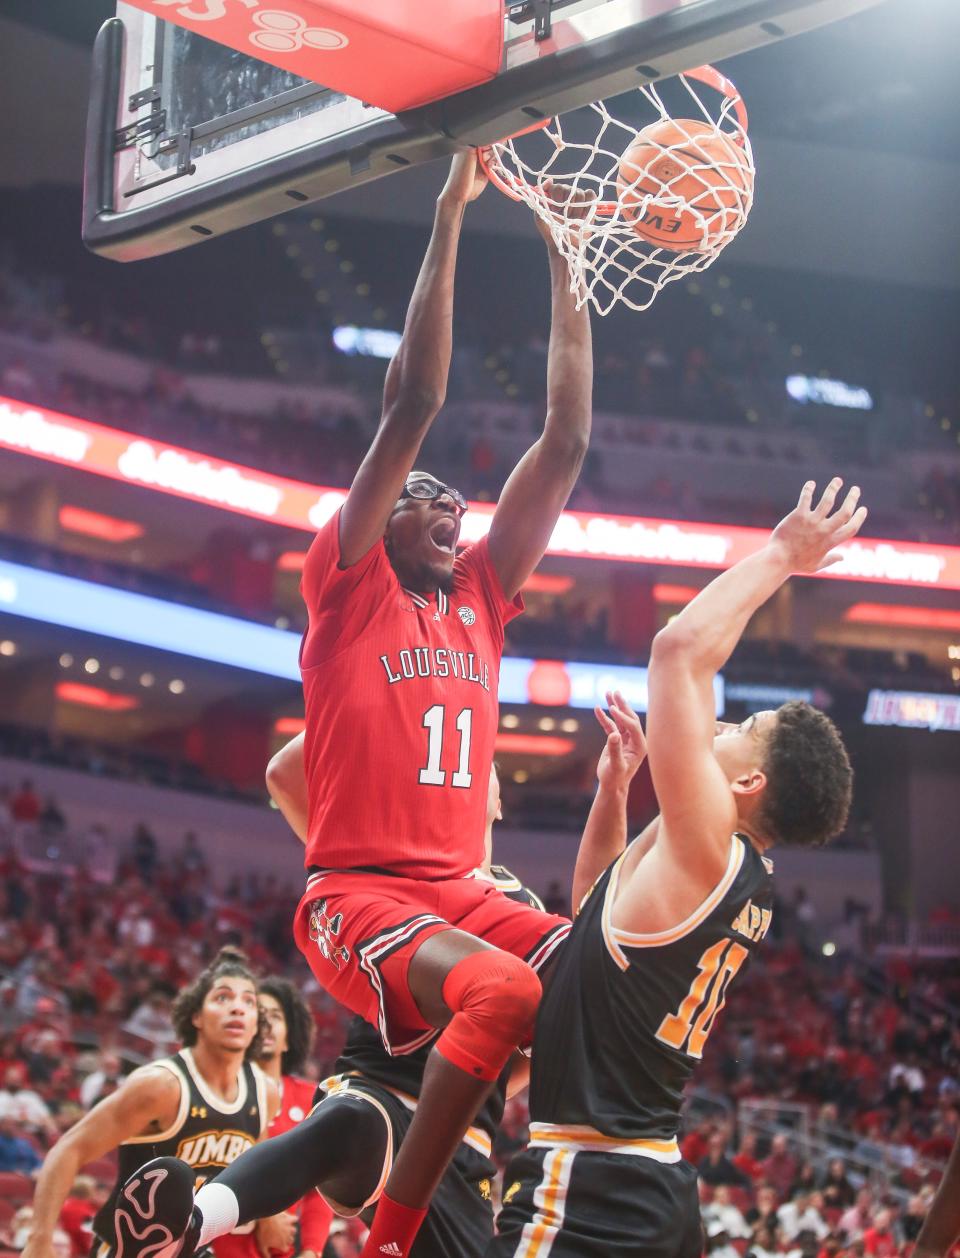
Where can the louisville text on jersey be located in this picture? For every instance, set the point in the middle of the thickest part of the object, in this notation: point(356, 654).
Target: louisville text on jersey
point(424, 661)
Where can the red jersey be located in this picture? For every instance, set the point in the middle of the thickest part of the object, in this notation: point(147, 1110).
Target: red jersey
point(314, 1215)
point(401, 711)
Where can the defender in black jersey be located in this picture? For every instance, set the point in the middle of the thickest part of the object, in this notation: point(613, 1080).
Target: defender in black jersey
point(345, 1148)
point(209, 1133)
point(205, 1104)
point(667, 923)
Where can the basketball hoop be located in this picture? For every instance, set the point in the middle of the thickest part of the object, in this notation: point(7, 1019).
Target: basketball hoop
point(665, 198)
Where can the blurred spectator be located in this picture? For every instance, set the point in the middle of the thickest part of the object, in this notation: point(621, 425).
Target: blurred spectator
point(77, 1214)
point(780, 1166)
point(717, 1168)
point(24, 1107)
point(151, 1022)
point(25, 805)
point(856, 1219)
point(801, 1214)
point(16, 1152)
point(879, 1240)
point(52, 820)
point(144, 852)
point(837, 1191)
point(763, 1244)
point(102, 1081)
point(723, 1210)
point(745, 1159)
point(719, 1244)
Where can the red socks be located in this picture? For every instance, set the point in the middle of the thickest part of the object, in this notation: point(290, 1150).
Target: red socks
point(393, 1230)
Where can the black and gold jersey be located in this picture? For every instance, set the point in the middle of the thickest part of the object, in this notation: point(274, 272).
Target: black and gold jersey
point(625, 1017)
point(208, 1133)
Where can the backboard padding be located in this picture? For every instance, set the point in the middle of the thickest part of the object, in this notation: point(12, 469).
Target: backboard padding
point(595, 50)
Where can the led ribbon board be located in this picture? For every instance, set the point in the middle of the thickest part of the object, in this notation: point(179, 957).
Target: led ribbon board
point(569, 684)
point(214, 482)
point(911, 710)
point(152, 622)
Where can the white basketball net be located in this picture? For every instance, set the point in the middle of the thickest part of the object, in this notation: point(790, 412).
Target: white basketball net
point(607, 259)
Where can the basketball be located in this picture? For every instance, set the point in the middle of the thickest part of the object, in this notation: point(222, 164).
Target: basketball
point(700, 180)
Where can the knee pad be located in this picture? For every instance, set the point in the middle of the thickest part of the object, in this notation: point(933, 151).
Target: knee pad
point(494, 997)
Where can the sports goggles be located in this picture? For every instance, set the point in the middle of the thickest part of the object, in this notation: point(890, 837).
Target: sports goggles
point(433, 489)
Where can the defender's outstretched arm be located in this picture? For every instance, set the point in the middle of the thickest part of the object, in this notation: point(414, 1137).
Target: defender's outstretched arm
point(605, 834)
point(697, 807)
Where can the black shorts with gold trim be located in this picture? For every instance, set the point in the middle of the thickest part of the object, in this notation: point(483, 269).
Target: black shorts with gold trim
point(459, 1223)
point(566, 1201)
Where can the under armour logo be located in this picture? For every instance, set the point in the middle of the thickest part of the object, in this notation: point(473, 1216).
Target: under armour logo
point(198, 1111)
point(324, 931)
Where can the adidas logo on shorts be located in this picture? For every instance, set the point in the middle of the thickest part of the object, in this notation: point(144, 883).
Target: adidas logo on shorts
point(392, 1250)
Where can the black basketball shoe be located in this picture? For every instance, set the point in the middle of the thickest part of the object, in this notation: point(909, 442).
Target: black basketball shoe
point(154, 1215)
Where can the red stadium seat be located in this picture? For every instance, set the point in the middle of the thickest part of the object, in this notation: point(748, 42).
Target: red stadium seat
point(103, 1169)
point(15, 1188)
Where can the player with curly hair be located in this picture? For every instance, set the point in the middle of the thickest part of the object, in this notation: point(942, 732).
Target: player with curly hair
point(205, 1104)
point(283, 1045)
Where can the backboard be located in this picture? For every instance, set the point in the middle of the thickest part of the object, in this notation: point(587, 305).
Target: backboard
point(188, 139)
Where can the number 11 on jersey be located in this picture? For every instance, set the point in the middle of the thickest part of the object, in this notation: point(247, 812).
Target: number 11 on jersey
point(433, 722)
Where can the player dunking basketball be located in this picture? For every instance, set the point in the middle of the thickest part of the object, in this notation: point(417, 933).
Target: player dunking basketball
point(400, 666)
point(667, 922)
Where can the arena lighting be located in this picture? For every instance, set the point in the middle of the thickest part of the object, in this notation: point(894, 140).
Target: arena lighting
point(94, 697)
point(185, 474)
point(570, 684)
point(150, 622)
point(548, 583)
point(291, 561)
point(902, 616)
point(107, 528)
point(674, 594)
point(203, 635)
point(911, 710)
point(533, 745)
point(369, 342)
point(825, 392)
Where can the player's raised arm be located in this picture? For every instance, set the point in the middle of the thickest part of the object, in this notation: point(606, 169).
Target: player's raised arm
point(538, 489)
point(605, 834)
point(416, 382)
point(695, 791)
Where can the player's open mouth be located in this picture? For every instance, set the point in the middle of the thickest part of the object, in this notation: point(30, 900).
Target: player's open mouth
point(236, 1025)
point(443, 534)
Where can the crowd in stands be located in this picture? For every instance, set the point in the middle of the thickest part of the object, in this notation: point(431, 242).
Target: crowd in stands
point(715, 378)
point(828, 1098)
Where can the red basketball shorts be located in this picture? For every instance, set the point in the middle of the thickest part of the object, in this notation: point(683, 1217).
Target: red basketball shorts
point(360, 930)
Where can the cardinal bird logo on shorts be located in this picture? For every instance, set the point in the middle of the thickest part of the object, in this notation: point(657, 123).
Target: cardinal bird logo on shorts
point(324, 931)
